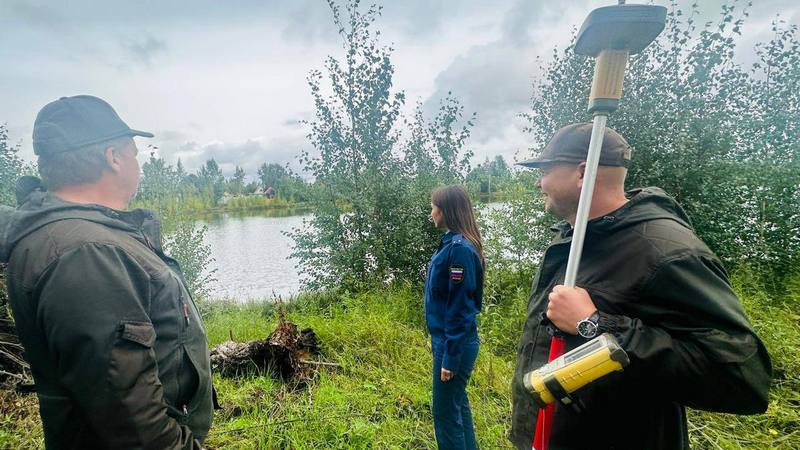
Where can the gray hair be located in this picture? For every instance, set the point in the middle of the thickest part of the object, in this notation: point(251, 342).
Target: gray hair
point(80, 166)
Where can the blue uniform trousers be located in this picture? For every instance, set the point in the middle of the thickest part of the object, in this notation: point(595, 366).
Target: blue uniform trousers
point(452, 417)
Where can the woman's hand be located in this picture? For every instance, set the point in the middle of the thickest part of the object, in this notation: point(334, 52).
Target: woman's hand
point(446, 375)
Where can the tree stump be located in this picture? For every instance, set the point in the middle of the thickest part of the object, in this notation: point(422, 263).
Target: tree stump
point(282, 354)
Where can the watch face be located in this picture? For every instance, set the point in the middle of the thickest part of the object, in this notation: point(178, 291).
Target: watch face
point(587, 328)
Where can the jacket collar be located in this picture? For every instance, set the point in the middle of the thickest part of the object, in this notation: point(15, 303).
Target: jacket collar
point(643, 204)
point(37, 208)
point(448, 237)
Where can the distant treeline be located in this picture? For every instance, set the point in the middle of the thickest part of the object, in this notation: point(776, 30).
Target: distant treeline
point(162, 182)
point(168, 187)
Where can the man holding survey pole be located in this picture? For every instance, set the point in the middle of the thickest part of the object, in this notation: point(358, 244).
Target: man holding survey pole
point(650, 282)
point(632, 317)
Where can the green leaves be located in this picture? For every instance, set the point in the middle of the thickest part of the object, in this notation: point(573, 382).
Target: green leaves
point(211, 181)
point(517, 232)
point(490, 176)
point(11, 168)
point(185, 243)
point(721, 138)
point(286, 184)
point(374, 168)
point(159, 182)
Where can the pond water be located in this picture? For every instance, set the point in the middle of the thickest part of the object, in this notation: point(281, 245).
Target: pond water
point(252, 255)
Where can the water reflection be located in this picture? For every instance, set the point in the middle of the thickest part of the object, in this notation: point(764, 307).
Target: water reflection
point(252, 255)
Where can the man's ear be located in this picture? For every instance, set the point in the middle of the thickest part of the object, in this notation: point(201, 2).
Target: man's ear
point(581, 169)
point(113, 159)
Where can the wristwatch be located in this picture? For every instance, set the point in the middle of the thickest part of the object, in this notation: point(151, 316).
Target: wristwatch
point(587, 327)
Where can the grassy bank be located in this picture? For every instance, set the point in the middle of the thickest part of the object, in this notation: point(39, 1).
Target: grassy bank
point(199, 205)
point(380, 398)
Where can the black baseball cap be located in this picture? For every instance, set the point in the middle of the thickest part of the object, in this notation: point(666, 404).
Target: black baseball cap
point(70, 123)
point(570, 144)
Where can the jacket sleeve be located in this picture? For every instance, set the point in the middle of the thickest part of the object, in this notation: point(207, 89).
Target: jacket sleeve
point(691, 342)
point(460, 310)
point(93, 308)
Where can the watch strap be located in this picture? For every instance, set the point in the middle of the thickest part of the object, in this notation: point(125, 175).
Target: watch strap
point(610, 323)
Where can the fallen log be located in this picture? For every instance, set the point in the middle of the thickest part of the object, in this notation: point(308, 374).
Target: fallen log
point(283, 354)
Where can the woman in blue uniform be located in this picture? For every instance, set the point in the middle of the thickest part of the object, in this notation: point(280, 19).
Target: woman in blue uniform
point(453, 295)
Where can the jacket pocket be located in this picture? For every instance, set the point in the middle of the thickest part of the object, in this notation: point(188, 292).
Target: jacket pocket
point(188, 379)
point(201, 387)
point(132, 357)
point(199, 410)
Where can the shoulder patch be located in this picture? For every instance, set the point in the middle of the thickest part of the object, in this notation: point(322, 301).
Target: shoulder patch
point(456, 273)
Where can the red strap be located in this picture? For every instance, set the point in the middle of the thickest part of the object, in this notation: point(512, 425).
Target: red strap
point(544, 422)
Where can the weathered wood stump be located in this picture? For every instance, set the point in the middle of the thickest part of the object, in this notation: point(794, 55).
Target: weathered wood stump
point(284, 354)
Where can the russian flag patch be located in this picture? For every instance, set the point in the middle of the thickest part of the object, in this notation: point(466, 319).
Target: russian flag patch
point(456, 274)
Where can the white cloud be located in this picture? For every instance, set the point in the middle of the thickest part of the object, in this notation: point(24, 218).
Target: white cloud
point(248, 154)
point(494, 79)
point(231, 77)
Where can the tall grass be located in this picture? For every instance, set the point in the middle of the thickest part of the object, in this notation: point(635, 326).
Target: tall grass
point(380, 398)
point(257, 202)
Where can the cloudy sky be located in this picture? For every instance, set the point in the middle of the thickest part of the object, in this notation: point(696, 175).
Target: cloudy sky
point(227, 79)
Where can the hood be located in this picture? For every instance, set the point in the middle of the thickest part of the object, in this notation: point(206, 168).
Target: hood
point(650, 203)
point(37, 208)
point(644, 204)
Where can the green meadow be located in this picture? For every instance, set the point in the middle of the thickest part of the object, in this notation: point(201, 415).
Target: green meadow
point(379, 397)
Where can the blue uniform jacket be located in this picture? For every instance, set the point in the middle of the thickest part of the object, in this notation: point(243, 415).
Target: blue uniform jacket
point(453, 295)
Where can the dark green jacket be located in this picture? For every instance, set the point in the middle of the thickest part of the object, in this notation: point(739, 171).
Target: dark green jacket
point(115, 342)
point(666, 298)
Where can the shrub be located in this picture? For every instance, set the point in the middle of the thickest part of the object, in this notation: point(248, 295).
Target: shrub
point(720, 138)
point(372, 190)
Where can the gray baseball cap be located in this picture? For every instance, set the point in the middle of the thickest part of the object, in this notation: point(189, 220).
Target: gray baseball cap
point(70, 123)
point(570, 144)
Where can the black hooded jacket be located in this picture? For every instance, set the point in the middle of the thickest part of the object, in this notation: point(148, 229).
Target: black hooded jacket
point(115, 342)
point(667, 299)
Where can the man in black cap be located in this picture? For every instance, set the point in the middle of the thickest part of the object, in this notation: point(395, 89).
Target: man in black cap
point(647, 279)
point(115, 342)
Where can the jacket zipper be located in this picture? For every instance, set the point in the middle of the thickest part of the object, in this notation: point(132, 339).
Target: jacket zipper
point(182, 413)
point(185, 312)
